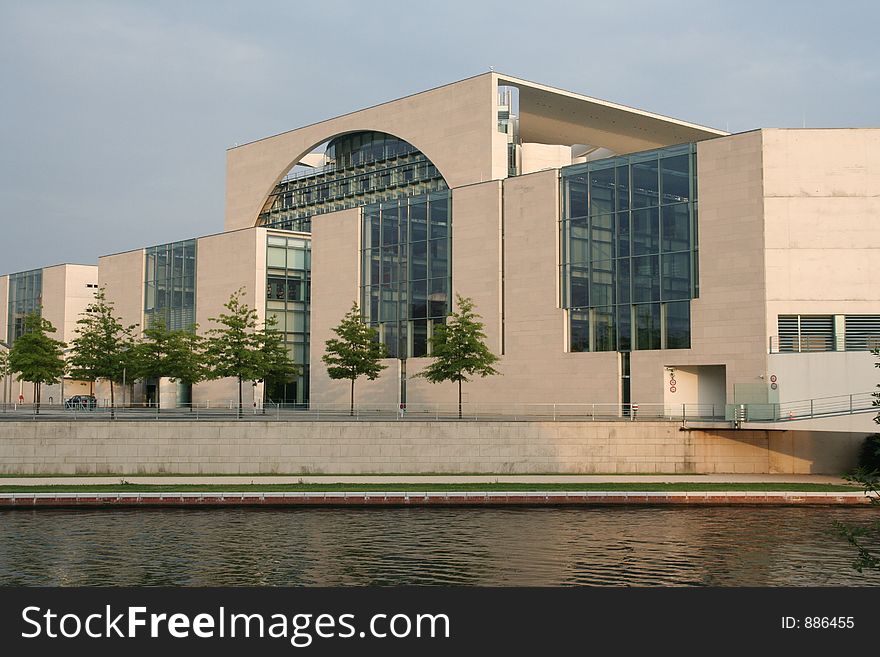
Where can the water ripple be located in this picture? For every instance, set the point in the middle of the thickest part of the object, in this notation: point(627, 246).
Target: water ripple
point(606, 546)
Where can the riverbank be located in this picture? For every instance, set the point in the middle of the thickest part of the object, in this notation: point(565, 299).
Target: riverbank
point(30, 500)
point(415, 490)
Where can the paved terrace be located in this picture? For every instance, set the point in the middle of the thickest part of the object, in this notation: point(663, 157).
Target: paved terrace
point(396, 498)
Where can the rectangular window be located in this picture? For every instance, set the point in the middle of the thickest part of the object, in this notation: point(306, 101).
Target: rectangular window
point(603, 323)
point(678, 325)
point(602, 191)
point(579, 330)
point(648, 326)
point(288, 301)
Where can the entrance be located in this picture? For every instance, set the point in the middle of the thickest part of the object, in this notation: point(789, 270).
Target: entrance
point(695, 391)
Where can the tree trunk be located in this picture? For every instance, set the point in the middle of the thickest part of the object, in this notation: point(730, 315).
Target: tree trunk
point(351, 406)
point(112, 402)
point(36, 398)
point(459, 399)
point(159, 394)
point(240, 404)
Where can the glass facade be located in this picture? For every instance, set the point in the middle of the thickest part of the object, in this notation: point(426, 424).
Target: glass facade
point(407, 270)
point(629, 250)
point(25, 298)
point(508, 123)
point(170, 286)
point(288, 295)
point(360, 168)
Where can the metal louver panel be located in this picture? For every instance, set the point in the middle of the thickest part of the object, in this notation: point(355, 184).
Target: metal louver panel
point(788, 333)
point(806, 332)
point(817, 333)
point(862, 332)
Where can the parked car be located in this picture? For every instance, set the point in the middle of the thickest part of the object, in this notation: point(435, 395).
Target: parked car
point(84, 402)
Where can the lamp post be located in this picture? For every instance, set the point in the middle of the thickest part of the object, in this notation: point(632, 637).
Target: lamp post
point(5, 376)
point(64, 352)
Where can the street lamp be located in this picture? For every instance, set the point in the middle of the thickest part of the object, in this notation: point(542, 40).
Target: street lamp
point(5, 377)
point(63, 352)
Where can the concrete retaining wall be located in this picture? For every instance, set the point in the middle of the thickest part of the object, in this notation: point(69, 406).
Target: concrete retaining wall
point(414, 447)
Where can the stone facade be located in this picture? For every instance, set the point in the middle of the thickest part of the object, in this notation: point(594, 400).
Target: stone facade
point(304, 447)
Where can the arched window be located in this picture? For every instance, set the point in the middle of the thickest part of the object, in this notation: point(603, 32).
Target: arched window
point(351, 170)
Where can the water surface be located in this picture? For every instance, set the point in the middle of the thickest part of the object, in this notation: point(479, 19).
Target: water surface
point(622, 546)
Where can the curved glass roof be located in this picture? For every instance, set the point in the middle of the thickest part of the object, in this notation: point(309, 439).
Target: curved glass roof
point(349, 171)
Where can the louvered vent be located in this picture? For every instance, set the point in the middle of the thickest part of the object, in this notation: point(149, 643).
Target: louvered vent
point(862, 332)
point(806, 333)
point(789, 338)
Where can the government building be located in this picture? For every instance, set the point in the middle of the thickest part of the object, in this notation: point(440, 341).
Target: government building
point(618, 258)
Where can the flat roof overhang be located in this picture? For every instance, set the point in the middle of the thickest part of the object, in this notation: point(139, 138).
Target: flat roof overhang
point(554, 116)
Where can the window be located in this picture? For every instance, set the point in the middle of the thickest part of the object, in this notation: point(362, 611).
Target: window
point(629, 250)
point(25, 297)
point(288, 300)
point(169, 288)
point(406, 270)
point(361, 168)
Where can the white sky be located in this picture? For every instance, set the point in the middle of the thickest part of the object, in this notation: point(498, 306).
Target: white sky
point(116, 115)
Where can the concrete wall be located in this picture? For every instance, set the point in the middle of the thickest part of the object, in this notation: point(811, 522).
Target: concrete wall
point(335, 279)
point(822, 200)
point(823, 374)
point(66, 293)
point(122, 277)
point(411, 447)
point(225, 263)
point(536, 157)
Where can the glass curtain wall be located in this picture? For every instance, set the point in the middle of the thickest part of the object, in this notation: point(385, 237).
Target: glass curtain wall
point(407, 270)
point(288, 296)
point(170, 299)
point(629, 250)
point(360, 168)
point(170, 286)
point(25, 297)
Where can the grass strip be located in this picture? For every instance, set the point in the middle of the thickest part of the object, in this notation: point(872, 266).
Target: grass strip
point(432, 487)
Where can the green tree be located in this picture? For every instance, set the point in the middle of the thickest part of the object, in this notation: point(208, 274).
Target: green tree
point(238, 348)
point(277, 365)
point(172, 354)
point(36, 357)
point(355, 353)
point(863, 537)
point(103, 347)
point(459, 349)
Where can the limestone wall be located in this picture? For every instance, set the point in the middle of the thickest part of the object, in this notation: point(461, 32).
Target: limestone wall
point(353, 447)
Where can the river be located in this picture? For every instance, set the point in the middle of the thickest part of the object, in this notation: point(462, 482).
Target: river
point(619, 546)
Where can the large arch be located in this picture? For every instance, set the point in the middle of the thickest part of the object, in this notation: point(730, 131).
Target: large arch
point(453, 126)
point(392, 148)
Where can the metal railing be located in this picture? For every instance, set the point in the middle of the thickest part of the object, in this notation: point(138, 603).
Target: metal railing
point(823, 344)
point(516, 412)
point(805, 409)
point(227, 410)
